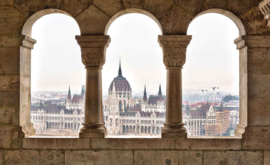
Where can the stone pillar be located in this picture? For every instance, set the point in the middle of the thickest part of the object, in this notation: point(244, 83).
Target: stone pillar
point(93, 48)
point(174, 57)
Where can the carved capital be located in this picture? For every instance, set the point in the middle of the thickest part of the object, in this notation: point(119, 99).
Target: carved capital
point(28, 42)
point(93, 48)
point(174, 49)
point(28, 129)
point(264, 7)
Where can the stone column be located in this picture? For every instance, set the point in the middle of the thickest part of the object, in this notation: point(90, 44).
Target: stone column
point(93, 48)
point(174, 57)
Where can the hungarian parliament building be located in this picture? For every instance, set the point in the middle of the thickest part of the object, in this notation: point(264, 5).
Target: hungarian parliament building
point(125, 115)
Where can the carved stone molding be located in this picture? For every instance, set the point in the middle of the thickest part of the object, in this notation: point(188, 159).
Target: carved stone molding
point(174, 49)
point(93, 48)
point(28, 129)
point(264, 7)
point(257, 41)
point(28, 42)
point(240, 43)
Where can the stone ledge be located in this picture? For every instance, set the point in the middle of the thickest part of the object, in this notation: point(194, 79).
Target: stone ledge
point(132, 143)
point(43, 143)
point(257, 41)
point(208, 144)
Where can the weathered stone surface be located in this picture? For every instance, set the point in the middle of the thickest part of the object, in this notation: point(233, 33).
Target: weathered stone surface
point(92, 21)
point(10, 137)
point(208, 144)
point(258, 60)
point(233, 157)
point(9, 83)
point(258, 112)
point(28, 7)
point(133, 3)
point(9, 115)
point(175, 21)
point(75, 7)
point(157, 7)
point(259, 86)
point(27, 157)
point(99, 157)
point(2, 160)
point(211, 4)
point(256, 138)
point(54, 4)
point(254, 23)
point(11, 40)
point(192, 7)
point(110, 7)
point(11, 20)
point(67, 143)
point(168, 157)
point(6, 2)
point(133, 143)
point(9, 60)
point(266, 157)
point(240, 7)
point(9, 99)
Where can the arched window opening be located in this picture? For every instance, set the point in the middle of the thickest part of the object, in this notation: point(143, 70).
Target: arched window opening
point(134, 73)
point(56, 71)
point(211, 76)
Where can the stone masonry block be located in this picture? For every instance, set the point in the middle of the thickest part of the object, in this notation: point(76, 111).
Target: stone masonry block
point(99, 157)
point(168, 157)
point(157, 7)
point(110, 7)
point(34, 157)
point(2, 159)
point(256, 138)
point(240, 7)
point(67, 143)
point(266, 157)
point(9, 83)
point(259, 86)
point(92, 21)
point(9, 108)
point(133, 3)
point(10, 137)
point(258, 112)
point(258, 60)
point(9, 60)
point(75, 7)
point(208, 144)
point(132, 143)
point(233, 158)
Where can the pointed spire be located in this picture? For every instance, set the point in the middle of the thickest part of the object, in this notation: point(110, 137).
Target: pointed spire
point(187, 109)
point(69, 94)
point(120, 70)
point(144, 94)
point(83, 90)
point(159, 91)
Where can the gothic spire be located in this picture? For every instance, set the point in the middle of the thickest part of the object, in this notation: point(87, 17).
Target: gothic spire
point(69, 94)
point(144, 94)
point(120, 70)
point(159, 91)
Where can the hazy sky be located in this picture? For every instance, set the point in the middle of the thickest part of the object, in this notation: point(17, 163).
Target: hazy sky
point(212, 58)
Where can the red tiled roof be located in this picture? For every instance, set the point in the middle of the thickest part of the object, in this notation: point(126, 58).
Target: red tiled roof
point(76, 98)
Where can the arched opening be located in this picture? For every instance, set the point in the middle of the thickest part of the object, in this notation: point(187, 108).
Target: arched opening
point(134, 59)
point(40, 71)
point(215, 71)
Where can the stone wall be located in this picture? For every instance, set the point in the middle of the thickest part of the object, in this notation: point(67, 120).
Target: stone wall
point(174, 17)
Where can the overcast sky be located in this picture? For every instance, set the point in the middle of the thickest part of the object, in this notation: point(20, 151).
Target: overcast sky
point(212, 58)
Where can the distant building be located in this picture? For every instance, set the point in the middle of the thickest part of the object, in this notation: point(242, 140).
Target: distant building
point(125, 115)
point(53, 119)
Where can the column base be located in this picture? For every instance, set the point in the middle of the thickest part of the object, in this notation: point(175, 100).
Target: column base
point(173, 128)
point(93, 130)
point(92, 135)
point(173, 135)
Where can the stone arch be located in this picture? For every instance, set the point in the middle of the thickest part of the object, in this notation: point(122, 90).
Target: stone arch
point(243, 77)
point(228, 14)
point(129, 11)
point(25, 69)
